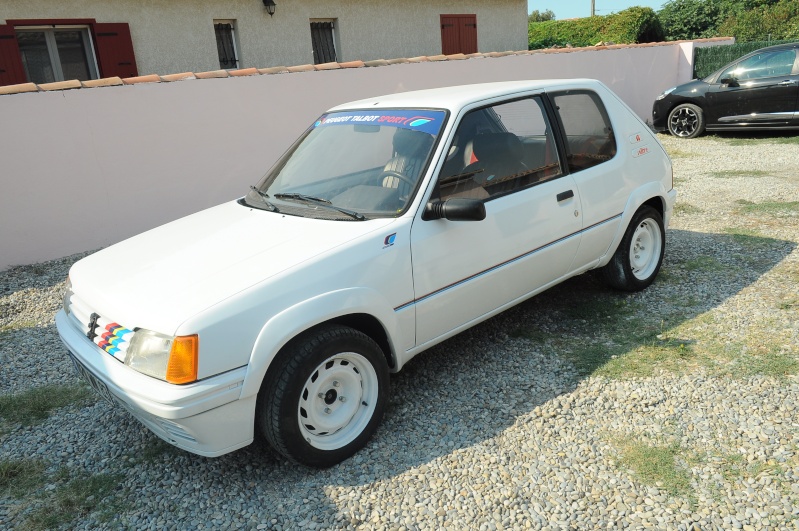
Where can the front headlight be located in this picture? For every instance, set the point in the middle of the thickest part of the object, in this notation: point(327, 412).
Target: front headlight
point(173, 359)
point(666, 93)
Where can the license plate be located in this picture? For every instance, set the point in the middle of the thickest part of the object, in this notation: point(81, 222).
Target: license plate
point(94, 382)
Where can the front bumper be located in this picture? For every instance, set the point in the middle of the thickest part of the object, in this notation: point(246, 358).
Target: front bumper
point(660, 115)
point(209, 417)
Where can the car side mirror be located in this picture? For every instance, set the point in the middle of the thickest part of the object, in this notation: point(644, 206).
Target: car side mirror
point(729, 81)
point(455, 209)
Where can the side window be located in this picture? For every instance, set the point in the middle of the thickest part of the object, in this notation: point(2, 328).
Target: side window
point(498, 150)
point(762, 65)
point(323, 41)
point(589, 135)
point(226, 44)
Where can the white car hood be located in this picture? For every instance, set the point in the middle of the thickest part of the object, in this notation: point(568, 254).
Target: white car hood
point(160, 278)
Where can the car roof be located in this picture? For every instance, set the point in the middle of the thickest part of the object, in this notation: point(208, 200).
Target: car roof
point(456, 97)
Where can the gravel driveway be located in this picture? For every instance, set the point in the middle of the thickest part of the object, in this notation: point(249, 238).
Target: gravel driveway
point(583, 408)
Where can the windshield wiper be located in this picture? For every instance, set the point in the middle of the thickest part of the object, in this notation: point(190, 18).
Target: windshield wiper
point(321, 202)
point(265, 198)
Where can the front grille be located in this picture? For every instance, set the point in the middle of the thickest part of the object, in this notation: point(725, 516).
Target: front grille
point(110, 336)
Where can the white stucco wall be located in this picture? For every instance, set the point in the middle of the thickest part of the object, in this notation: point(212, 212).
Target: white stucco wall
point(178, 35)
point(86, 168)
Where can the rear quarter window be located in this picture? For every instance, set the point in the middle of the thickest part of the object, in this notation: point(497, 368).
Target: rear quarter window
point(588, 132)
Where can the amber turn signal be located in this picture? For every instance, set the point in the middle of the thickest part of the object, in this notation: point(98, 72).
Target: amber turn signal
point(182, 365)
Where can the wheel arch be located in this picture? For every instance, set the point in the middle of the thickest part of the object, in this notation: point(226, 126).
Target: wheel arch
point(651, 194)
point(357, 308)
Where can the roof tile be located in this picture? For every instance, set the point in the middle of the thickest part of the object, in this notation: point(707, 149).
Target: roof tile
point(103, 82)
point(274, 70)
point(301, 68)
point(419, 59)
point(212, 74)
point(456, 57)
point(399, 61)
point(352, 64)
point(178, 77)
point(244, 72)
point(60, 85)
point(376, 62)
point(19, 89)
point(437, 57)
point(151, 78)
point(327, 66)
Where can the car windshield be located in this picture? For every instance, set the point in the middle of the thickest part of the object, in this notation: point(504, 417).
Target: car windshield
point(352, 165)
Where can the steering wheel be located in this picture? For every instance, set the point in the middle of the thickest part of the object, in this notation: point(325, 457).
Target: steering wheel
point(391, 173)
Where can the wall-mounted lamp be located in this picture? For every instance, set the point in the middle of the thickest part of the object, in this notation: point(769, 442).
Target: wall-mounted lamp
point(270, 6)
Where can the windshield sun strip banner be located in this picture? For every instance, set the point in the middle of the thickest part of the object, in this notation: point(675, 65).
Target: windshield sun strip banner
point(429, 122)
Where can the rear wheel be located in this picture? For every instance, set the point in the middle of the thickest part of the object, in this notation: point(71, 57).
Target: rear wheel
point(636, 262)
point(686, 121)
point(324, 397)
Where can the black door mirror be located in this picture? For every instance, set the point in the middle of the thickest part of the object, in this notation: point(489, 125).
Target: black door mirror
point(455, 209)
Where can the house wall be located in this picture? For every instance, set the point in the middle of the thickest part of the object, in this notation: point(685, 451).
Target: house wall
point(178, 35)
point(89, 167)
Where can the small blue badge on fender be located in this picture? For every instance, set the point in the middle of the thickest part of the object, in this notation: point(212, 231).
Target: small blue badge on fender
point(389, 241)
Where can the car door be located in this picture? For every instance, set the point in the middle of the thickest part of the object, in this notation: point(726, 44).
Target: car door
point(505, 156)
point(762, 89)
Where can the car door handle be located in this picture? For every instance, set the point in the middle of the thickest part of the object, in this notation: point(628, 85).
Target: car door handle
point(787, 82)
point(563, 196)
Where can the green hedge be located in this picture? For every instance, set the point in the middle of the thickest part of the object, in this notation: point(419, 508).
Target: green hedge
point(779, 21)
point(633, 25)
point(708, 60)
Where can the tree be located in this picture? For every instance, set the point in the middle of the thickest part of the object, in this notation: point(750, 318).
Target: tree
point(689, 19)
point(538, 16)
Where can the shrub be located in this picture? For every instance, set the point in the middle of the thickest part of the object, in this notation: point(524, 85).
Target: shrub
point(633, 25)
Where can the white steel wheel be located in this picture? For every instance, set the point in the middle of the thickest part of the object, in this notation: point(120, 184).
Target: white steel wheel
point(338, 401)
point(638, 258)
point(323, 396)
point(645, 250)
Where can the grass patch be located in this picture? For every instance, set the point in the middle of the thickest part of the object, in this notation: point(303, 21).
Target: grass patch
point(749, 237)
point(738, 173)
point(36, 404)
point(75, 499)
point(19, 477)
point(686, 208)
point(657, 466)
point(768, 207)
point(157, 448)
point(704, 263)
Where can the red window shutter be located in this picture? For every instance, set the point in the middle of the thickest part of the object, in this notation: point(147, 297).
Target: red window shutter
point(11, 70)
point(468, 33)
point(115, 55)
point(458, 34)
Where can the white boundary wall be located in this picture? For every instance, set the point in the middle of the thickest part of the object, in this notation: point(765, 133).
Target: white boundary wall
point(83, 169)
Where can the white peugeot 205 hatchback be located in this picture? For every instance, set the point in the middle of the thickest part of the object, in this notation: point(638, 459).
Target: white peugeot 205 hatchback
point(392, 224)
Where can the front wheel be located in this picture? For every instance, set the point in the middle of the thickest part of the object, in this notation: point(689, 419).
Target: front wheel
point(636, 262)
point(324, 397)
point(686, 121)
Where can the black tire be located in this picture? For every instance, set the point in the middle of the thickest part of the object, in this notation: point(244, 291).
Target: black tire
point(634, 271)
point(686, 121)
point(299, 400)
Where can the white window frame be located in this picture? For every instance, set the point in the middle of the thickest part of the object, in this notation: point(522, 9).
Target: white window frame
point(52, 47)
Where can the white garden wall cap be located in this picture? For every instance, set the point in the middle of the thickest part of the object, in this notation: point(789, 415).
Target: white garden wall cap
point(376, 63)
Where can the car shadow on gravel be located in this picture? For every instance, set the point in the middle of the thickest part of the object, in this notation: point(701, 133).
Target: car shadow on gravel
point(462, 394)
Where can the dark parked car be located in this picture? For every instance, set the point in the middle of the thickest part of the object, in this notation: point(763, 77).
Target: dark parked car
point(757, 91)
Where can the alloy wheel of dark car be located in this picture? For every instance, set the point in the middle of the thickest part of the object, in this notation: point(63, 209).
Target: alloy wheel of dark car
point(686, 121)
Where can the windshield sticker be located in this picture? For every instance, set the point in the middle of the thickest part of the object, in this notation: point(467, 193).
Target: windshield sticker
point(417, 120)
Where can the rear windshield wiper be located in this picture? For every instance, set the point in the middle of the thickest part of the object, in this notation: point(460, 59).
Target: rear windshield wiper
point(265, 198)
point(321, 202)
